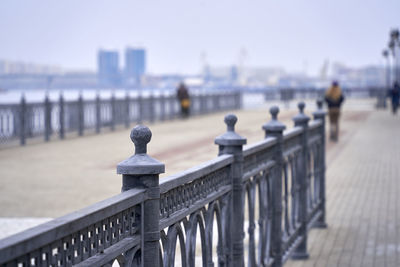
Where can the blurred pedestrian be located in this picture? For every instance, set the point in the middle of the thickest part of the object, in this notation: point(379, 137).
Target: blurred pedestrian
point(395, 96)
point(334, 98)
point(184, 100)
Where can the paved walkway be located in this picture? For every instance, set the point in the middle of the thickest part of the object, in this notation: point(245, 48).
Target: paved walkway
point(363, 213)
point(52, 179)
point(363, 208)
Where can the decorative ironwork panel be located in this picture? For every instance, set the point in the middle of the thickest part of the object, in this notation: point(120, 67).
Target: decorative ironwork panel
point(89, 114)
point(9, 122)
point(55, 117)
point(259, 159)
point(290, 199)
point(98, 243)
point(314, 130)
point(71, 116)
point(134, 110)
point(258, 218)
point(292, 143)
point(197, 229)
point(196, 208)
point(105, 113)
point(183, 196)
point(36, 120)
point(120, 111)
point(314, 176)
point(291, 189)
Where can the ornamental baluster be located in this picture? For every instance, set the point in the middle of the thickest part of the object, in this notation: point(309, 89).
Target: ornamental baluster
point(275, 128)
point(47, 118)
point(301, 120)
point(320, 115)
point(142, 171)
point(231, 143)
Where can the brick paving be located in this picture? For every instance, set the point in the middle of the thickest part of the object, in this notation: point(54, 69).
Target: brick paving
point(58, 177)
point(363, 213)
point(363, 208)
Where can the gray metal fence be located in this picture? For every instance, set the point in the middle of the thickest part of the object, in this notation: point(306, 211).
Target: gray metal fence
point(48, 119)
point(249, 206)
point(289, 94)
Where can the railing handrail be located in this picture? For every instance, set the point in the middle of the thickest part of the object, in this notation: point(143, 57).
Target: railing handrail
point(189, 175)
point(258, 146)
point(314, 124)
point(291, 133)
point(36, 237)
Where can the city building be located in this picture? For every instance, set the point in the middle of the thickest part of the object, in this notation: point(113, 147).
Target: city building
point(135, 65)
point(108, 68)
point(368, 76)
point(17, 68)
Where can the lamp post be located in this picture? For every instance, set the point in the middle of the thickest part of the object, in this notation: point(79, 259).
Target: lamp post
point(382, 94)
point(385, 54)
point(394, 45)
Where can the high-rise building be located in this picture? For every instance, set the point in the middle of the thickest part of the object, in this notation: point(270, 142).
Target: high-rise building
point(135, 65)
point(108, 68)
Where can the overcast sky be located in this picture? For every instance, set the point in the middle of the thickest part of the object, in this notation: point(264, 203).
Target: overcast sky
point(294, 34)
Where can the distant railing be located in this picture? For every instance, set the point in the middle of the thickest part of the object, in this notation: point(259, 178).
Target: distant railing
point(249, 206)
point(23, 121)
point(288, 94)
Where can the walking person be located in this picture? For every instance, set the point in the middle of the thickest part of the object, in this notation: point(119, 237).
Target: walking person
point(184, 100)
point(395, 96)
point(334, 98)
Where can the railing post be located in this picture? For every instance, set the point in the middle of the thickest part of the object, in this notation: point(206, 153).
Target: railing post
point(320, 115)
point(275, 128)
point(208, 99)
point(215, 101)
point(231, 143)
point(171, 103)
point(203, 102)
point(142, 171)
point(47, 118)
point(302, 120)
point(98, 115)
point(127, 110)
point(61, 117)
point(22, 119)
point(238, 100)
point(162, 108)
point(113, 112)
point(81, 116)
point(140, 108)
point(152, 108)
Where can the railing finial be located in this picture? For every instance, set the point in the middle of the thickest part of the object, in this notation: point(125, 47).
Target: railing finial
point(301, 119)
point(319, 103)
point(230, 138)
point(274, 111)
point(142, 171)
point(301, 107)
point(140, 163)
point(230, 121)
point(141, 136)
point(274, 126)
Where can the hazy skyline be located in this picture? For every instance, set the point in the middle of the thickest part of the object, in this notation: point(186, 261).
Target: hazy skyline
point(291, 34)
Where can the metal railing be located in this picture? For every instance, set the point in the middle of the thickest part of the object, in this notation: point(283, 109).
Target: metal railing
point(288, 94)
point(23, 121)
point(249, 206)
